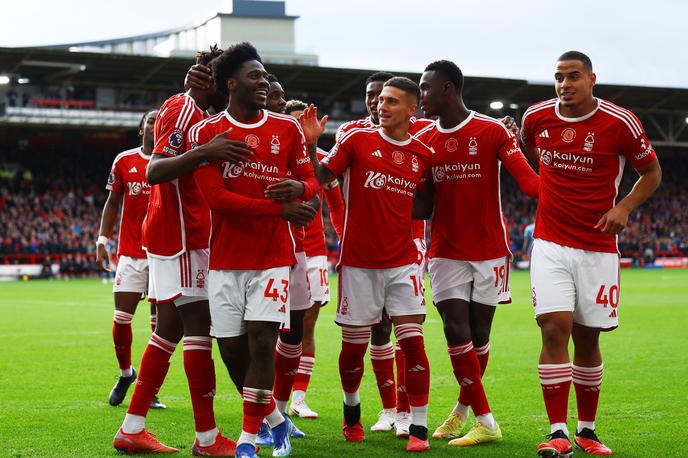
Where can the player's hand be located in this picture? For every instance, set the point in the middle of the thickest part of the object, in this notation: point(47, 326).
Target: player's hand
point(223, 148)
point(285, 190)
point(298, 213)
point(102, 258)
point(312, 127)
point(613, 221)
point(199, 76)
point(510, 124)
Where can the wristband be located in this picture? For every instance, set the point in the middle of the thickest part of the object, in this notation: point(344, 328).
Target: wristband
point(102, 240)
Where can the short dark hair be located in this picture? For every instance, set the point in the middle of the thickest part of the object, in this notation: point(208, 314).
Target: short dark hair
point(225, 66)
point(205, 57)
point(577, 55)
point(379, 76)
point(449, 69)
point(405, 84)
point(143, 120)
point(272, 78)
point(295, 105)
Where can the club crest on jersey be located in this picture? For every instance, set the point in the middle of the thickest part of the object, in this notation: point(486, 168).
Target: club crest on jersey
point(252, 141)
point(473, 146)
point(589, 141)
point(568, 134)
point(546, 157)
point(275, 145)
point(398, 157)
point(451, 145)
point(176, 138)
point(414, 164)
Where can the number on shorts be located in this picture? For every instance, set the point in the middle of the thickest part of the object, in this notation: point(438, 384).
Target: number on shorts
point(270, 291)
point(501, 274)
point(417, 285)
point(324, 278)
point(285, 291)
point(611, 297)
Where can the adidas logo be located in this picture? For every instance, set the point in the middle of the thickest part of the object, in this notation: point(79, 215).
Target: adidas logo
point(133, 170)
point(387, 383)
point(291, 373)
point(377, 153)
point(544, 134)
point(465, 382)
point(417, 368)
point(352, 371)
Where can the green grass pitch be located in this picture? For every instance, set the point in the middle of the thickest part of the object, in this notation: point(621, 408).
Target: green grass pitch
point(57, 366)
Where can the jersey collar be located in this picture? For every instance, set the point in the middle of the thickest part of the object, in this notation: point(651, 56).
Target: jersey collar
point(393, 141)
point(578, 119)
point(451, 130)
point(260, 122)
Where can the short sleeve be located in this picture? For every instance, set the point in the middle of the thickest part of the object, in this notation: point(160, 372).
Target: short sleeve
point(507, 145)
point(339, 158)
point(527, 136)
point(636, 146)
point(171, 132)
point(114, 182)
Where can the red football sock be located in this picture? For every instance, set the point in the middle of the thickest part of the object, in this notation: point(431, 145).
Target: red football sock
point(555, 380)
point(155, 363)
point(587, 382)
point(287, 357)
point(417, 370)
point(354, 345)
point(257, 404)
point(483, 354)
point(122, 337)
point(402, 396)
point(304, 372)
point(467, 372)
point(382, 359)
point(200, 373)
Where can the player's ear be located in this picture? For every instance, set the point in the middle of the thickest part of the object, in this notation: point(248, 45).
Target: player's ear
point(231, 84)
point(593, 78)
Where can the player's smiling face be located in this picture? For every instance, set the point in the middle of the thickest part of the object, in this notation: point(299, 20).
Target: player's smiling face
point(373, 90)
point(395, 107)
point(432, 93)
point(250, 84)
point(276, 101)
point(573, 82)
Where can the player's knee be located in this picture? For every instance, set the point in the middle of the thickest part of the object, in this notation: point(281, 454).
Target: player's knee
point(380, 333)
point(457, 332)
point(480, 336)
point(554, 334)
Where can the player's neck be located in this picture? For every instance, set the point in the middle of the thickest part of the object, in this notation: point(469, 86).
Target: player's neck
point(243, 113)
point(577, 111)
point(453, 115)
point(200, 97)
point(146, 149)
point(398, 133)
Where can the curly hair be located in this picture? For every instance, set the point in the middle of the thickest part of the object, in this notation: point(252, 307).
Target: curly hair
point(295, 105)
point(225, 66)
point(449, 70)
point(205, 57)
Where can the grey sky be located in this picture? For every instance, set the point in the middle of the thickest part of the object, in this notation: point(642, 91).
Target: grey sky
point(630, 42)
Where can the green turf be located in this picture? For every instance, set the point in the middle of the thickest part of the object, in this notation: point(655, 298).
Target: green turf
point(57, 366)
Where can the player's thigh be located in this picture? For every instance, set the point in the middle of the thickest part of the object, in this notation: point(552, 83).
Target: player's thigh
point(450, 279)
point(597, 289)
point(227, 301)
point(127, 302)
point(491, 281)
point(481, 317)
point(404, 291)
point(299, 284)
point(131, 276)
point(319, 279)
point(361, 297)
point(267, 295)
point(552, 282)
point(195, 316)
point(169, 324)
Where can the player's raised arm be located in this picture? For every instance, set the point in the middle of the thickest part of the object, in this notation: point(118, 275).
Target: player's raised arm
point(312, 130)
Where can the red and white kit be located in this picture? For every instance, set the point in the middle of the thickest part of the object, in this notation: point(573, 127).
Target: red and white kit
point(378, 259)
point(128, 177)
point(469, 254)
point(177, 223)
point(251, 247)
point(415, 125)
point(574, 266)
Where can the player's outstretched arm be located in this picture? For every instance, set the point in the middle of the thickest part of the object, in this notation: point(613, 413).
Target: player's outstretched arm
point(424, 202)
point(615, 219)
point(107, 225)
point(528, 181)
point(221, 148)
point(312, 130)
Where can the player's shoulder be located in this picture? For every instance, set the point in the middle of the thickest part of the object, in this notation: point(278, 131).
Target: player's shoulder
point(491, 124)
point(121, 157)
point(621, 116)
point(357, 133)
point(285, 120)
point(540, 110)
point(210, 124)
point(180, 110)
point(420, 147)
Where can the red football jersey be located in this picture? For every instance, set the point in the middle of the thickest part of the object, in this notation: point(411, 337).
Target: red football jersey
point(581, 163)
point(381, 176)
point(128, 177)
point(468, 223)
point(314, 243)
point(415, 125)
point(178, 218)
point(243, 242)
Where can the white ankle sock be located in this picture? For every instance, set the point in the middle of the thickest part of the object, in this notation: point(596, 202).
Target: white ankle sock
point(281, 405)
point(352, 399)
point(298, 396)
point(461, 410)
point(585, 424)
point(487, 420)
point(557, 426)
point(133, 424)
point(126, 372)
point(247, 438)
point(206, 438)
point(419, 415)
point(274, 418)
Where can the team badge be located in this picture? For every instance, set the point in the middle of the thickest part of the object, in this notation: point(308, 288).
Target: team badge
point(200, 279)
point(451, 145)
point(546, 157)
point(473, 146)
point(414, 164)
point(176, 138)
point(589, 141)
point(398, 157)
point(252, 141)
point(275, 145)
point(568, 134)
